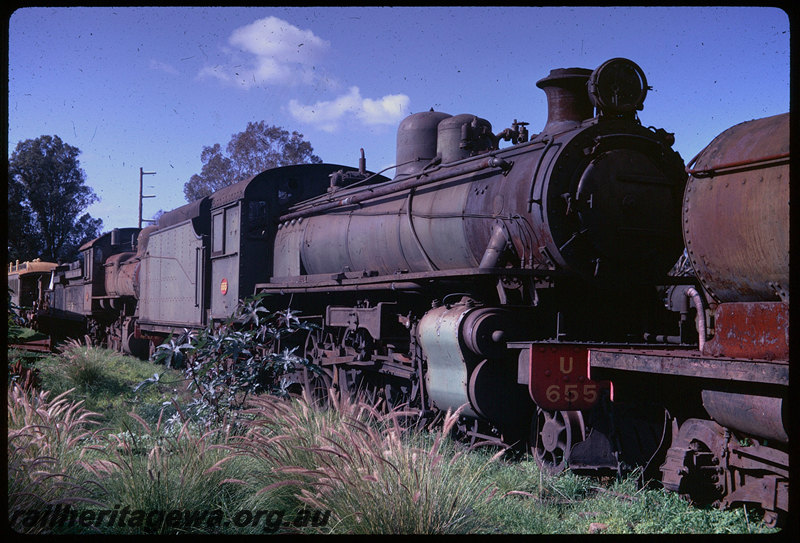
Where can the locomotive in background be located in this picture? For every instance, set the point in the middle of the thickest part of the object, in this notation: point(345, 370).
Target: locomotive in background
point(536, 285)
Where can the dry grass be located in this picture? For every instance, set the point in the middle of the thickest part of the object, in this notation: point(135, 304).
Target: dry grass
point(45, 438)
point(373, 475)
point(154, 468)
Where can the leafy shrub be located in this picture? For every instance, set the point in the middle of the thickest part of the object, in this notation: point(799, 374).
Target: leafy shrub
point(16, 321)
point(230, 361)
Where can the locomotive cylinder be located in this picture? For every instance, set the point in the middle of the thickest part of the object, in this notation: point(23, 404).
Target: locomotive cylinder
point(736, 205)
point(459, 340)
point(447, 378)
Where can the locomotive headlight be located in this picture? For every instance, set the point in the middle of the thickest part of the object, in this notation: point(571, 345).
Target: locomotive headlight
point(618, 86)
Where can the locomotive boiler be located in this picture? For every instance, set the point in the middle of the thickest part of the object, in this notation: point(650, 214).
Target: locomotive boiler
point(595, 197)
point(573, 291)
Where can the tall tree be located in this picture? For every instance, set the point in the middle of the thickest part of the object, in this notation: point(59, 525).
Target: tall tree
point(258, 148)
point(46, 200)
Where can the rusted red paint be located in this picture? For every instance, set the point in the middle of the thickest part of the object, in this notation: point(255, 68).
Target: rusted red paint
point(757, 330)
point(559, 378)
point(736, 220)
point(38, 345)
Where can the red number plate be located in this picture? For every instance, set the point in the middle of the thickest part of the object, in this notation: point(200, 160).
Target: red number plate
point(559, 378)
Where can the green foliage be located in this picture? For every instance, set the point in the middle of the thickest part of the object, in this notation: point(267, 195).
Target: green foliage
point(228, 362)
point(47, 195)
point(159, 468)
point(259, 147)
point(107, 382)
point(535, 502)
point(20, 368)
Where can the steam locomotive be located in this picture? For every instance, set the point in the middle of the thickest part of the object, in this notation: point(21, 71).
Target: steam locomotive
point(580, 291)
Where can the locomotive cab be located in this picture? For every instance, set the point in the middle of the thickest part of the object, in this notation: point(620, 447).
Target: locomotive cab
point(205, 256)
point(244, 219)
point(27, 283)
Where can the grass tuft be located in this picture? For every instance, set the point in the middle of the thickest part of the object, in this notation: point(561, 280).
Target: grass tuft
point(368, 470)
point(46, 438)
point(110, 383)
point(155, 468)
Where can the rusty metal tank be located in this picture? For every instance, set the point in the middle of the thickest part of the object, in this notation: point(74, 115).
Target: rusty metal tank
point(416, 141)
point(462, 136)
point(120, 272)
point(122, 269)
point(736, 212)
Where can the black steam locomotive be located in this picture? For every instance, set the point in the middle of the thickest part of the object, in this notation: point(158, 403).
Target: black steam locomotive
point(576, 290)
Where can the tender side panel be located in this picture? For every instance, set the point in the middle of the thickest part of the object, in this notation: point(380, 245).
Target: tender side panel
point(171, 277)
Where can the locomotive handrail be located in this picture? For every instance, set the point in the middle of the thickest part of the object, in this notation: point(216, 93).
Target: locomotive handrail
point(414, 235)
point(550, 142)
point(309, 203)
point(199, 252)
point(741, 165)
point(355, 188)
point(397, 186)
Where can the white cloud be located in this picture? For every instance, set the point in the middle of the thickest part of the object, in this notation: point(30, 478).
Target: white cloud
point(274, 38)
point(269, 51)
point(217, 72)
point(326, 115)
point(388, 110)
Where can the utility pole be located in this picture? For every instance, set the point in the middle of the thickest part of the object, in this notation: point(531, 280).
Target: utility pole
point(142, 173)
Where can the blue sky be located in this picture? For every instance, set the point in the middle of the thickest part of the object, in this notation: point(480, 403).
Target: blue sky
point(149, 87)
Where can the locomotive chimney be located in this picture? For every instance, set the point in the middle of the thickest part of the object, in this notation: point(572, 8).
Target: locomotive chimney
point(568, 101)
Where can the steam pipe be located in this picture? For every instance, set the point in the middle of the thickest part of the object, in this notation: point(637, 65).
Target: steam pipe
point(697, 300)
point(743, 164)
point(496, 246)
